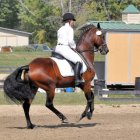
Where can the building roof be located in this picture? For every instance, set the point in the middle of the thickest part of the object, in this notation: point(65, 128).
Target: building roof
point(131, 9)
point(14, 31)
point(117, 26)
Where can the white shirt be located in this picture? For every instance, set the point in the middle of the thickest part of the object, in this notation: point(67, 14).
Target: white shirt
point(65, 36)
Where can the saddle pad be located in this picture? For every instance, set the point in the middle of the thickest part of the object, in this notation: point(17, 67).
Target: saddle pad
point(65, 68)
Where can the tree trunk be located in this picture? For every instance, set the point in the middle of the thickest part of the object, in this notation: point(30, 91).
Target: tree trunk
point(62, 6)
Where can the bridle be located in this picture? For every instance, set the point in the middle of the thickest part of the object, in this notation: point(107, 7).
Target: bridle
point(92, 49)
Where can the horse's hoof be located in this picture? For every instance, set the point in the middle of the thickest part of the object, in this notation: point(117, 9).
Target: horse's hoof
point(82, 116)
point(32, 126)
point(89, 115)
point(65, 121)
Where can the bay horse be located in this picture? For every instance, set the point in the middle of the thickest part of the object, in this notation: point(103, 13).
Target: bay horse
point(44, 73)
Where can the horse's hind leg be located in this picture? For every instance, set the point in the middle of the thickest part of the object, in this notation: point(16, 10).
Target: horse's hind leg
point(26, 108)
point(49, 104)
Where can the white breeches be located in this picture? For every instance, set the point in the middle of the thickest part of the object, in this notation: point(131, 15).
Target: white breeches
point(68, 53)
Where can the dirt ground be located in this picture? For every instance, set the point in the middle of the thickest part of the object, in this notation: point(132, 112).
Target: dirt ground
point(108, 123)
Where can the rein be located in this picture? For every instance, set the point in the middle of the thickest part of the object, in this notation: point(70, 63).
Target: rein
point(88, 50)
point(91, 50)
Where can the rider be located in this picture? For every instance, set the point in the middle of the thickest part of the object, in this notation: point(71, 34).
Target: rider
point(66, 45)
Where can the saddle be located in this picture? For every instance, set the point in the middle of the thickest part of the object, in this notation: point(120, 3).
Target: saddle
point(66, 67)
point(59, 56)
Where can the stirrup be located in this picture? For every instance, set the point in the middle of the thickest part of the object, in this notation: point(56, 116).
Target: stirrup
point(79, 82)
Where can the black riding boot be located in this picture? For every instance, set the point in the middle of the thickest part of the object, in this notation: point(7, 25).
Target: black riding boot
point(77, 70)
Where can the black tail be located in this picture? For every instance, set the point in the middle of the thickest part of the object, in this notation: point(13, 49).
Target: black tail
point(17, 89)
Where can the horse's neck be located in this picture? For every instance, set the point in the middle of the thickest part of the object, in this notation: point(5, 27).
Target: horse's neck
point(88, 55)
point(85, 46)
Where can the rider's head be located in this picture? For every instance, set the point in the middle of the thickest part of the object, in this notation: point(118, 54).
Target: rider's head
point(69, 17)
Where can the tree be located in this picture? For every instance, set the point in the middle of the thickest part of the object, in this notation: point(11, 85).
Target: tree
point(36, 16)
point(43, 17)
point(9, 13)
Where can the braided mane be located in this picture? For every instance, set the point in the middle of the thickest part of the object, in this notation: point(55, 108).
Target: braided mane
point(84, 29)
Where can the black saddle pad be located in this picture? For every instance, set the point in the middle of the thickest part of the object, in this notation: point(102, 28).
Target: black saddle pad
point(59, 56)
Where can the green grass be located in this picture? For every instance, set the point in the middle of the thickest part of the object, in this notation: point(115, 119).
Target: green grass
point(60, 99)
point(64, 98)
point(121, 96)
point(21, 56)
point(99, 57)
point(3, 100)
point(70, 99)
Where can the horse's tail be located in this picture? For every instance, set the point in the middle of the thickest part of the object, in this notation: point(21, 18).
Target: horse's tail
point(16, 89)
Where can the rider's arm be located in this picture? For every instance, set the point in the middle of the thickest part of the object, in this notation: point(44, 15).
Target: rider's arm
point(71, 41)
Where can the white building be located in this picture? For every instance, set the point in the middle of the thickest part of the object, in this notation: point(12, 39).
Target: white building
point(14, 38)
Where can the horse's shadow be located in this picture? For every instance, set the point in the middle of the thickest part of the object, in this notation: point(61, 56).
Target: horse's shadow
point(67, 125)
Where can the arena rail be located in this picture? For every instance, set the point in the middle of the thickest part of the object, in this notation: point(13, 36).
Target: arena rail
point(4, 70)
point(118, 95)
point(7, 69)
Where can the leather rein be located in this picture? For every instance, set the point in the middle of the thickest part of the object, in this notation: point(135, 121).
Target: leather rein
point(92, 50)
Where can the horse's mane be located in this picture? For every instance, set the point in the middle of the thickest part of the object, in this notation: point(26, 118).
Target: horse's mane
point(84, 29)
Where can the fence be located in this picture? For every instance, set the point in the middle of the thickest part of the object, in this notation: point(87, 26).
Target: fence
point(4, 71)
point(1, 83)
point(107, 94)
point(7, 69)
point(119, 95)
point(99, 89)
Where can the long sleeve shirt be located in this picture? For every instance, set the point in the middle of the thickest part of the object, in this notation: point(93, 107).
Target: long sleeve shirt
point(65, 36)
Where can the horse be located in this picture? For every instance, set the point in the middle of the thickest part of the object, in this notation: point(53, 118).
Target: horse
point(21, 86)
point(6, 49)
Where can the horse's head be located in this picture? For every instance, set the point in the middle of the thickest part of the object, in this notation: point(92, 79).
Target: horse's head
point(92, 39)
point(98, 39)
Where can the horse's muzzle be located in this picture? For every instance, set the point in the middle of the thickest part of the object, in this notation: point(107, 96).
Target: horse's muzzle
point(104, 49)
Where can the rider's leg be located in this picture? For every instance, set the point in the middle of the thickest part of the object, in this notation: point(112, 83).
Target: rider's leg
point(68, 53)
point(77, 70)
point(71, 55)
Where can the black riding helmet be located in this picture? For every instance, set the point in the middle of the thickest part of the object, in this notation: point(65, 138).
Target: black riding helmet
point(68, 16)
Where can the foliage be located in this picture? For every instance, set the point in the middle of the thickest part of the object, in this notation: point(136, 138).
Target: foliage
point(9, 13)
point(41, 36)
point(40, 19)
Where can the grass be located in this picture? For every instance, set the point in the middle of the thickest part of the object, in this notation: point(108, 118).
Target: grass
point(99, 57)
point(60, 99)
point(121, 96)
point(70, 99)
point(21, 57)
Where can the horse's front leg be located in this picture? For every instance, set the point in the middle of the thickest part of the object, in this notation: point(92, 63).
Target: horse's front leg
point(26, 108)
point(90, 105)
point(49, 104)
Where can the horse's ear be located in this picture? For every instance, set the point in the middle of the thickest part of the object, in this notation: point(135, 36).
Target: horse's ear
point(98, 26)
